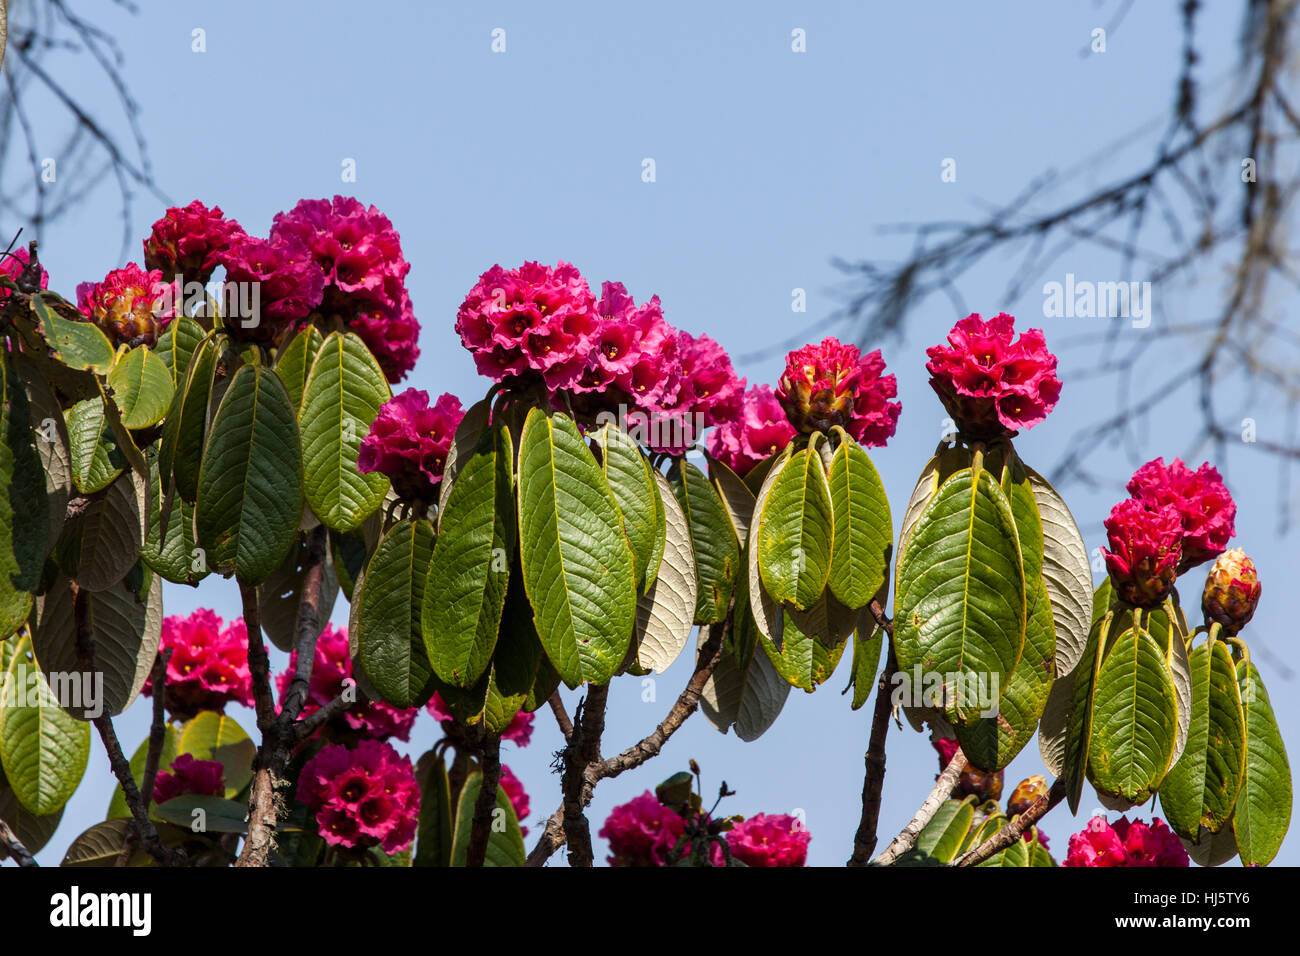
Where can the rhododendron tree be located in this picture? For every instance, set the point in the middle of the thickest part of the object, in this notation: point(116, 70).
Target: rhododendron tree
point(616, 497)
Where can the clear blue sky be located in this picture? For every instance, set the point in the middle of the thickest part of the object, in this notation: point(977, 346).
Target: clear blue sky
point(768, 164)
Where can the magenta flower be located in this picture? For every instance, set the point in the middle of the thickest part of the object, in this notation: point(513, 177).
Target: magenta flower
point(1144, 550)
point(131, 306)
point(288, 285)
point(391, 335)
point(363, 797)
point(331, 674)
point(641, 832)
point(769, 840)
point(990, 384)
point(517, 794)
point(1203, 502)
point(1125, 844)
point(408, 441)
point(758, 432)
point(208, 668)
point(708, 393)
point(189, 241)
point(12, 266)
point(518, 732)
point(188, 775)
point(835, 384)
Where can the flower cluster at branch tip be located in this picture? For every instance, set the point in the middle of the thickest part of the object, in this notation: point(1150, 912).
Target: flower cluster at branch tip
point(518, 732)
point(759, 431)
point(288, 283)
point(331, 675)
point(776, 839)
point(12, 266)
point(517, 794)
point(209, 664)
point(130, 306)
point(833, 384)
point(190, 240)
point(541, 326)
point(360, 256)
point(973, 781)
point(1201, 499)
point(408, 441)
point(1145, 546)
point(1125, 843)
point(1231, 592)
point(641, 832)
point(190, 775)
point(362, 797)
point(991, 383)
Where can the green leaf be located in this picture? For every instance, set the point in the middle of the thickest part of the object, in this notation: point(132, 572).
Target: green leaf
point(77, 344)
point(744, 692)
point(466, 587)
point(96, 457)
point(33, 831)
point(1201, 787)
point(468, 434)
point(515, 662)
point(101, 545)
point(868, 641)
point(169, 547)
point(388, 614)
point(180, 452)
point(943, 836)
point(632, 483)
point(1066, 574)
point(1135, 718)
point(863, 528)
point(737, 496)
point(807, 645)
point(1264, 804)
point(200, 813)
point(1212, 849)
point(176, 346)
point(342, 397)
point(665, 613)
point(43, 749)
point(214, 736)
point(505, 845)
point(1014, 481)
point(992, 742)
point(280, 597)
point(24, 515)
point(1080, 719)
point(101, 845)
point(125, 630)
point(141, 387)
point(960, 604)
point(294, 362)
point(937, 470)
point(250, 486)
point(117, 806)
point(50, 432)
point(433, 835)
point(577, 565)
point(795, 532)
point(717, 553)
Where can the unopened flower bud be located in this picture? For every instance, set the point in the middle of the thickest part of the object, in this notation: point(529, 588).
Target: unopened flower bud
point(1026, 794)
point(1231, 591)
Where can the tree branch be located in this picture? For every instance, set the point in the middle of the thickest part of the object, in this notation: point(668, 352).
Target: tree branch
point(583, 750)
point(485, 805)
point(11, 843)
point(943, 787)
point(1015, 830)
point(873, 781)
point(561, 716)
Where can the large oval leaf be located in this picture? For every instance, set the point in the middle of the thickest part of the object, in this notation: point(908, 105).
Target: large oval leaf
point(341, 399)
point(141, 386)
point(630, 479)
point(1201, 787)
point(250, 486)
point(24, 515)
point(1264, 804)
point(101, 545)
point(808, 644)
point(795, 532)
point(169, 547)
point(433, 835)
point(96, 457)
point(32, 831)
point(665, 613)
point(717, 554)
point(180, 452)
point(176, 346)
point(1066, 573)
point(863, 528)
point(1135, 718)
point(960, 604)
point(945, 461)
point(388, 607)
point(77, 343)
point(735, 494)
point(43, 749)
point(294, 362)
point(51, 433)
point(577, 565)
point(467, 578)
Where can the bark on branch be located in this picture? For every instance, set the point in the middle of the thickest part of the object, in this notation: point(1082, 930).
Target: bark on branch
point(943, 787)
point(1015, 830)
point(873, 781)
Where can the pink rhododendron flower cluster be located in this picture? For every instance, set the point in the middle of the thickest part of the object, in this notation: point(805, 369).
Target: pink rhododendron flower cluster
point(189, 241)
point(517, 794)
point(518, 732)
point(1203, 503)
point(362, 797)
point(330, 674)
point(209, 664)
point(769, 840)
point(131, 306)
point(831, 384)
point(289, 285)
point(190, 775)
point(1125, 844)
point(12, 266)
point(408, 441)
point(991, 383)
point(641, 832)
point(759, 431)
point(1232, 591)
point(360, 256)
point(1145, 546)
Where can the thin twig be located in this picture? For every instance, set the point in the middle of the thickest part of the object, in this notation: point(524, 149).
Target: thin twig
point(561, 716)
point(873, 781)
point(20, 853)
point(943, 787)
point(1015, 830)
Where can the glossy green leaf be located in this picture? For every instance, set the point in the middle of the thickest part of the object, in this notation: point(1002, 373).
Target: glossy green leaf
point(466, 587)
point(169, 547)
point(863, 528)
point(342, 397)
point(960, 599)
point(937, 470)
point(717, 554)
point(96, 457)
point(433, 834)
point(101, 545)
point(180, 452)
point(1264, 804)
point(632, 483)
point(868, 642)
point(176, 346)
point(24, 515)
point(577, 566)
point(250, 487)
point(1079, 717)
point(388, 610)
point(200, 813)
point(737, 496)
point(294, 362)
point(141, 386)
point(77, 344)
point(943, 836)
point(795, 532)
point(505, 842)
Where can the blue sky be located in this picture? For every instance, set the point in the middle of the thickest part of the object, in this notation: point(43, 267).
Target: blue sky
point(768, 164)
